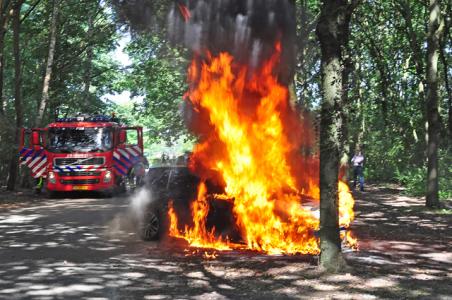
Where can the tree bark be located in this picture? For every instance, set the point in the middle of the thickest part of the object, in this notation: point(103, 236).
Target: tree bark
point(405, 10)
point(332, 32)
point(5, 8)
point(435, 29)
point(444, 61)
point(51, 54)
point(449, 94)
point(347, 67)
point(13, 165)
point(88, 63)
point(385, 78)
point(306, 25)
point(416, 47)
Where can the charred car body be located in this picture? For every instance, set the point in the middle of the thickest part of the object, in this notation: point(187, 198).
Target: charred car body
point(178, 185)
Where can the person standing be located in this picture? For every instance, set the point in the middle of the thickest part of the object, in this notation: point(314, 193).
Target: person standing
point(358, 172)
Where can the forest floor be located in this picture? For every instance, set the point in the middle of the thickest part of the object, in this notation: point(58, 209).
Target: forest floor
point(79, 248)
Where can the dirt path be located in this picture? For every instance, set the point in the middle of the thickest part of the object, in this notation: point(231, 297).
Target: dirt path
point(405, 250)
point(81, 248)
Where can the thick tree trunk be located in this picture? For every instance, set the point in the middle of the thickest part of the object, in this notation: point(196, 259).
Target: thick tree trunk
point(435, 29)
point(13, 165)
point(331, 257)
point(344, 114)
point(332, 31)
point(48, 74)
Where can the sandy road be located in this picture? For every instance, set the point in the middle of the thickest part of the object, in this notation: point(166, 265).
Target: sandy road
point(67, 247)
point(85, 248)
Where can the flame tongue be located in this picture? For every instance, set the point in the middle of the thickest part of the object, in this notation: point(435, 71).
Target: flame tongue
point(252, 140)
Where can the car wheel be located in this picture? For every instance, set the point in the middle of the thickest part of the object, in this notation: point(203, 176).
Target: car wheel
point(150, 227)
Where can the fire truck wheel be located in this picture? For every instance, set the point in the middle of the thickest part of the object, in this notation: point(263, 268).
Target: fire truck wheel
point(129, 183)
point(150, 227)
point(107, 194)
point(132, 181)
point(54, 194)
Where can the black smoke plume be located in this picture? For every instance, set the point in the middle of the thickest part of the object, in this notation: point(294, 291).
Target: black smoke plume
point(248, 29)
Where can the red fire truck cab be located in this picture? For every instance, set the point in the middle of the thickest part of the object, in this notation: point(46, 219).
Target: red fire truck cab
point(89, 153)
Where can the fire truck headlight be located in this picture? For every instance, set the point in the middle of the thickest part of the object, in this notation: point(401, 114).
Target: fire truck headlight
point(51, 177)
point(107, 176)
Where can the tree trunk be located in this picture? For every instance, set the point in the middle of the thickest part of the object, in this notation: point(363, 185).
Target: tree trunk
point(435, 29)
point(48, 74)
point(2, 62)
point(304, 29)
point(385, 78)
point(449, 94)
point(444, 61)
point(4, 18)
point(344, 147)
point(344, 114)
point(332, 32)
point(405, 9)
point(88, 63)
point(13, 165)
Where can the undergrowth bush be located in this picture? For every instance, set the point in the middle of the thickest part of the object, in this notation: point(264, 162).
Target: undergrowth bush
point(415, 183)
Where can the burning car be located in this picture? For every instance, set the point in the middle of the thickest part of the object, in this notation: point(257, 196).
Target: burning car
point(177, 187)
point(248, 130)
point(175, 190)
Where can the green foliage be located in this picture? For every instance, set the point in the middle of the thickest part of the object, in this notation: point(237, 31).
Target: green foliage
point(414, 179)
point(386, 89)
point(82, 57)
point(387, 93)
point(155, 145)
point(157, 74)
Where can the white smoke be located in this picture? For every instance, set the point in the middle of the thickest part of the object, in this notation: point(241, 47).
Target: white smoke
point(126, 222)
point(139, 203)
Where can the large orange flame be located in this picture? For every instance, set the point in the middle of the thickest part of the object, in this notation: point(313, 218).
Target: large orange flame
point(198, 236)
point(252, 137)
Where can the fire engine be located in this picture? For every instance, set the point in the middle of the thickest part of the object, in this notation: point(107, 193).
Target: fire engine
point(84, 153)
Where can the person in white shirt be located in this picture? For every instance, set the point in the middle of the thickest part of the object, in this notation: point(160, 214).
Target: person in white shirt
point(358, 165)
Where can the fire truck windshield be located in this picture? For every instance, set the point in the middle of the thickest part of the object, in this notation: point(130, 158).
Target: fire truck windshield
point(67, 140)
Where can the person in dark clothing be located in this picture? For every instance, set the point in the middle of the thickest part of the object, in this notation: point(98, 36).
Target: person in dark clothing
point(358, 172)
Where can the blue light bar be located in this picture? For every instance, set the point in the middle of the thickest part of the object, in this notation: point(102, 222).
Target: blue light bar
point(97, 118)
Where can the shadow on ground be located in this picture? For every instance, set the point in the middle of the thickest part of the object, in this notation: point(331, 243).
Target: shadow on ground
point(86, 248)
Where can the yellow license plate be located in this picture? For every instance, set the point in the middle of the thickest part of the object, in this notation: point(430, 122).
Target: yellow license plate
point(80, 188)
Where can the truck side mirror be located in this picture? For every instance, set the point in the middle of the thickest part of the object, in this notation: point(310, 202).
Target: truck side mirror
point(122, 137)
point(35, 138)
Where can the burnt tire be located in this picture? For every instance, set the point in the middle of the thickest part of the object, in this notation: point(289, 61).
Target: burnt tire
point(150, 227)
